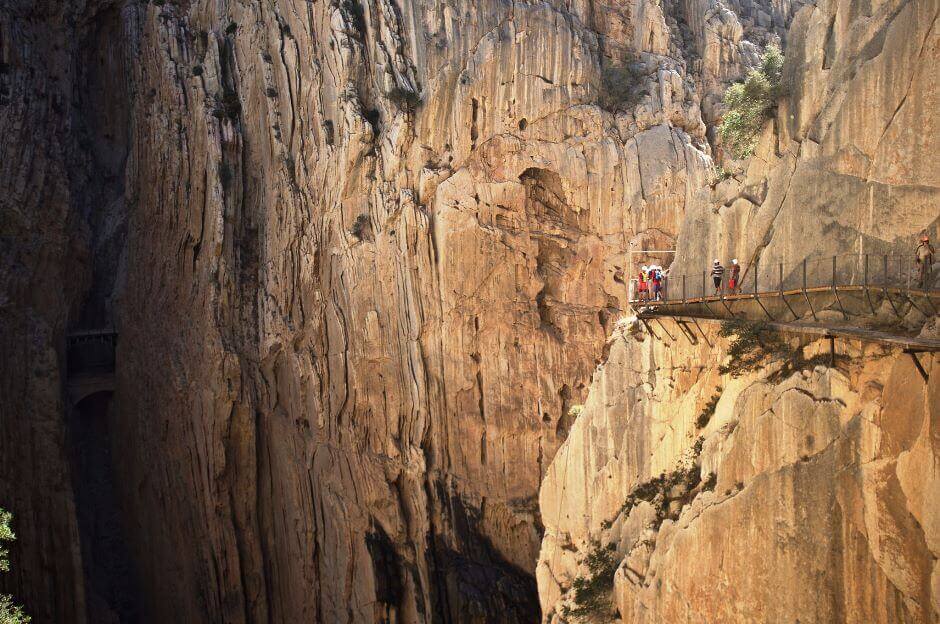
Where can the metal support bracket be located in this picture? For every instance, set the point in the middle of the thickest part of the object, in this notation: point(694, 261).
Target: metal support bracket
point(920, 367)
point(649, 329)
point(689, 334)
point(665, 330)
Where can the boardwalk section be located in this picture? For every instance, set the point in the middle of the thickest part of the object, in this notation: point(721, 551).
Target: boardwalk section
point(90, 363)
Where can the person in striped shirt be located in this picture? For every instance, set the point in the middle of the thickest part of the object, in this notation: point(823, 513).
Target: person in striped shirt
point(718, 273)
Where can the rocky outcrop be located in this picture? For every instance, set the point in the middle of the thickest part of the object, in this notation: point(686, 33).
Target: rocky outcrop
point(712, 491)
point(847, 166)
point(687, 493)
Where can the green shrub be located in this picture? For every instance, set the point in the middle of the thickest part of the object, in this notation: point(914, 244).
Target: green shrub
point(9, 612)
point(750, 103)
point(620, 84)
point(661, 491)
point(753, 346)
point(709, 410)
point(226, 104)
point(592, 592)
point(721, 174)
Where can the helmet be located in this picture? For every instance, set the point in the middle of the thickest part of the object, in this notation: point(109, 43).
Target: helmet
point(924, 238)
point(716, 261)
point(735, 261)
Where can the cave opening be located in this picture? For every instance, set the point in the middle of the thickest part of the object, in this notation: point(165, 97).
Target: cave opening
point(111, 589)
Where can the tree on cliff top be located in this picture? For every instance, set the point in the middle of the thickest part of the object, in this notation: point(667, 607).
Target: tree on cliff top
point(750, 103)
point(9, 612)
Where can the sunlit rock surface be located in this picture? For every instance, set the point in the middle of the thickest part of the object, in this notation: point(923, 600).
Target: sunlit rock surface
point(848, 166)
point(800, 495)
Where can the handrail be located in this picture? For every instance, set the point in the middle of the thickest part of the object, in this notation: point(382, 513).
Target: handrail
point(830, 273)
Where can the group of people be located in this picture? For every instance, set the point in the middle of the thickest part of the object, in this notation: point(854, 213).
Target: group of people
point(651, 280)
point(734, 276)
point(650, 283)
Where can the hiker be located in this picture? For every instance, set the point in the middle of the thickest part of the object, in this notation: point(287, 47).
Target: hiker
point(642, 284)
point(734, 280)
point(656, 275)
point(924, 255)
point(718, 272)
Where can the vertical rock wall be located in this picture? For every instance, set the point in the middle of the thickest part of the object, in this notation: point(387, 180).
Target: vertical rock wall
point(776, 495)
point(684, 493)
point(848, 164)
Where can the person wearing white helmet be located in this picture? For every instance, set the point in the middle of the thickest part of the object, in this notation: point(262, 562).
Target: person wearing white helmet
point(718, 273)
point(734, 280)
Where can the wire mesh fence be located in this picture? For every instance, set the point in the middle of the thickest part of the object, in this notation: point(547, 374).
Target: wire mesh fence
point(840, 271)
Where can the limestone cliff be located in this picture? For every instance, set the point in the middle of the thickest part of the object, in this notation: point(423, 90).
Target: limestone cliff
point(848, 163)
point(684, 493)
point(787, 494)
point(362, 258)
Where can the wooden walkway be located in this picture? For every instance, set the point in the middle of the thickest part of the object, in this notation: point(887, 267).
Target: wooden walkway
point(930, 295)
point(858, 302)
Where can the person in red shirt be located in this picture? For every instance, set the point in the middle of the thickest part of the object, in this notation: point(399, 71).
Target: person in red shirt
point(734, 281)
point(643, 284)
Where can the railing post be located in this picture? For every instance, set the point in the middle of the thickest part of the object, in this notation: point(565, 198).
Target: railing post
point(806, 295)
point(780, 279)
point(833, 272)
point(910, 272)
point(886, 272)
point(755, 277)
point(684, 298)
point(704, 283)
point(865, 283)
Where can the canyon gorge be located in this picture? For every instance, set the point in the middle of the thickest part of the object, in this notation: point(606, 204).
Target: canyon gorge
point(367, 265)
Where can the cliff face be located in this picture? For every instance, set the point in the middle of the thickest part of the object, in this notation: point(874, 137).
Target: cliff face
point(848, 164)
point(779, 495)
point(685, 494)
point(362, 258)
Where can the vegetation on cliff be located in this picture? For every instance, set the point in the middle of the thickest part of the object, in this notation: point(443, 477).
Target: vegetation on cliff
point(9, 612)
point(592, 592)
point(750, 103)
point(755, 346)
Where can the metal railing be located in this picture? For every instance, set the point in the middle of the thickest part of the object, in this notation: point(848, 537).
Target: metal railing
point(91, 352)
point(847, 271)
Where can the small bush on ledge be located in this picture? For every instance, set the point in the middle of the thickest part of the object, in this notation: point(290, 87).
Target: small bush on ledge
point(592, 592)
point(709, 410)
point(750, 103)
point(753, 347)
point(622, 85)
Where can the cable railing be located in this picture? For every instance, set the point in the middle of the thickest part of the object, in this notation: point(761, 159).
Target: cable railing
point(836, 273)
